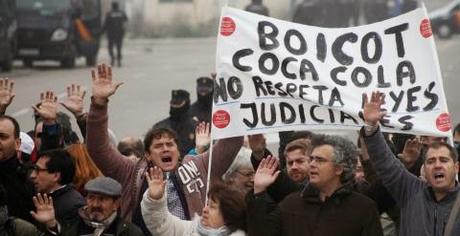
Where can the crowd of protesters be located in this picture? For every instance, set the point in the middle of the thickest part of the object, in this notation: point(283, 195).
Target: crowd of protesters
point(54, 183)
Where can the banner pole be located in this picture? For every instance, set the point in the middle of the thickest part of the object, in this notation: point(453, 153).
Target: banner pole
point(208, 182)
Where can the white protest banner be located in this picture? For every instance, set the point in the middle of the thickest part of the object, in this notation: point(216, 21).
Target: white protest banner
point(274, 75)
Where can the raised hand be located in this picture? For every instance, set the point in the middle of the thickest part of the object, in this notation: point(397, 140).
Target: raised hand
point(48, 106)
point(411, 152)
point(257, 144)
point(266, 174)
point(103, 87)
point(6, 94)
point(156, 183)
point(74, 101)
point(202, 137)
point(45, 210)
point(373, 109)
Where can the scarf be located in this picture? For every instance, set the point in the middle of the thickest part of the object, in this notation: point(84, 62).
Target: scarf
point(99, 227)
point(203, 231)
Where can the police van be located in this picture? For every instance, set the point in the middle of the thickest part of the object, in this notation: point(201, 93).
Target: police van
point(59, 30)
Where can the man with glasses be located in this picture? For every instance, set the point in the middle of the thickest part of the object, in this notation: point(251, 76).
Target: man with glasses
point(326, 206)
point(425, 206)
point(53, 174)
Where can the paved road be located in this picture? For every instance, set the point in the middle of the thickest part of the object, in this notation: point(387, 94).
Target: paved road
point(152, 68)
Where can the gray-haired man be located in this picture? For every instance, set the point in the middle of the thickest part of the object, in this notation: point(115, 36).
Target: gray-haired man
point(326, 206)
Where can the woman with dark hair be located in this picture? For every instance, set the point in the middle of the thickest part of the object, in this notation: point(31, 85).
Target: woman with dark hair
point(223, 216)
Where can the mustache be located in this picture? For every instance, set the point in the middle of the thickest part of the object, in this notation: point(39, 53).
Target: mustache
point(95, 209)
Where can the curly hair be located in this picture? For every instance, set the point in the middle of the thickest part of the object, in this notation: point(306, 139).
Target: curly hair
point(345, 154)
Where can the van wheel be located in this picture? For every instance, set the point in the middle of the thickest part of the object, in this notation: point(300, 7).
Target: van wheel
point(7, 65)
point(28, 63)
point(68, 62)
point(91, 60)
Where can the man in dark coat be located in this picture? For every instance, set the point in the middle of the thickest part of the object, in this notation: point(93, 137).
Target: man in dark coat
point(326, 206)
point(114, 26)
point(13, 175)
point(425, 204)
point(201, 109)
point(53, 174)
point(180, 120)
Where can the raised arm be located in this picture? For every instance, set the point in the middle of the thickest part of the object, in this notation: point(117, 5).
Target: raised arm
point(263, 214)
point(283, 185)
point(202, 137)
point(74, 104)
point(154, 208)
point(51, 136)
point(400, 183)
point(107, 158)
point(6, 94)
point(44, 213)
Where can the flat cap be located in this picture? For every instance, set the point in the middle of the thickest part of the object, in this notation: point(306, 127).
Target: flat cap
point(105, 186)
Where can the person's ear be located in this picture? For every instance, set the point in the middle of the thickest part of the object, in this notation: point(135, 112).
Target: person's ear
point(17, 142)
point(338, 170)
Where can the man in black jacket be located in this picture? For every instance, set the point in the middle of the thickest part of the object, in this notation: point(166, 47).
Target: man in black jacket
point(114, 25)
point(327, 198)
point(53, 174)
point(13, 175)
point(201, 109)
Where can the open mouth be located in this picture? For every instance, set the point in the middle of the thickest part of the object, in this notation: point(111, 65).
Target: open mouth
point(166, 159)
point(313, 174)
point(438, 176)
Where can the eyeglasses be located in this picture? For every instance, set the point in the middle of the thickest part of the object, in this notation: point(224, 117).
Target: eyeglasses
point(38, 169)
point(319, 160)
